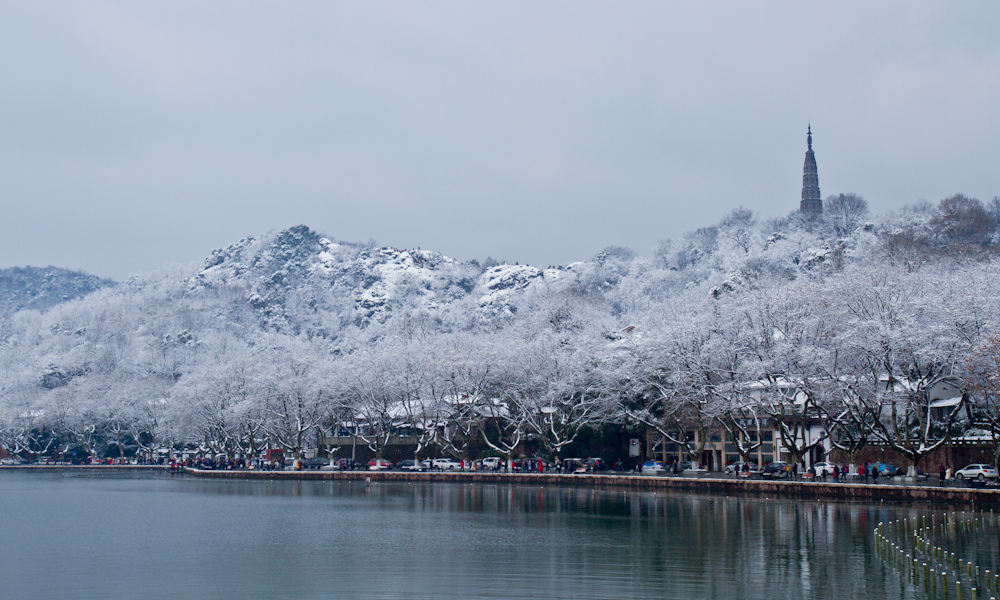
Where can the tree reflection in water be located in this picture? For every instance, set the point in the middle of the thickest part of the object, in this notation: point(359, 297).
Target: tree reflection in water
point(107, 537)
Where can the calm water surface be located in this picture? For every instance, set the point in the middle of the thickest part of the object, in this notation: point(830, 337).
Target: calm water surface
point(75, 535)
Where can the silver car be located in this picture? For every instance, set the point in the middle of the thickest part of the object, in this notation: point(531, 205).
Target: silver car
point(979, 472)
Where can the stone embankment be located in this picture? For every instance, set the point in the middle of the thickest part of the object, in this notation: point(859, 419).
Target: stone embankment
point(37, 467)
point(805, 490)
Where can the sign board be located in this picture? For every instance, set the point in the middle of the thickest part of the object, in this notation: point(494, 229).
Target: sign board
point(633, 447)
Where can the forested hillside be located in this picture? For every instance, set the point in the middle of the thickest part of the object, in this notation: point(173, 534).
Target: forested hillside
point(278, 336)
point(33, 288)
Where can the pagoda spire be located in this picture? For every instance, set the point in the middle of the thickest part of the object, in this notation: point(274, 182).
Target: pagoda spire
point(812, 201)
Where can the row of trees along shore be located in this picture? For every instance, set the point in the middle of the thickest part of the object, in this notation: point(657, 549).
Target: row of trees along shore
point(843, 320)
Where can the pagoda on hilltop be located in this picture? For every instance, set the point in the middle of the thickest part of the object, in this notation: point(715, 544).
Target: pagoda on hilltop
point(812, 202)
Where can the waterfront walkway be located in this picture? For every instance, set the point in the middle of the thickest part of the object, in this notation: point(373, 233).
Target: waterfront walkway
point(866, 492)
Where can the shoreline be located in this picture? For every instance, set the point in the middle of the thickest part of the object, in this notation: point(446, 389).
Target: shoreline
point(804, 490)
point(85, 467)
point(796, 490)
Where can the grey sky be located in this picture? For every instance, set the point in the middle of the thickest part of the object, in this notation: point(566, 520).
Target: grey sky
point(135, 134)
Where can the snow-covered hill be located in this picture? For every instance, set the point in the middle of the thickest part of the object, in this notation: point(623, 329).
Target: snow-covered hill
point(214, 352)
point(299, 279)
point(34, 288)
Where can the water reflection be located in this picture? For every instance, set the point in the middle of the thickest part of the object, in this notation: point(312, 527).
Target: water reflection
point(177, 537)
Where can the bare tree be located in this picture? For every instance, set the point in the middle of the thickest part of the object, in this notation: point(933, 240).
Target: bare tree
point(845, 212)
point(960, 219)
point(739, 227)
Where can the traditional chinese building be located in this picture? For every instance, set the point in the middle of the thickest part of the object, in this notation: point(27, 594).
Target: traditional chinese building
point(812, 201)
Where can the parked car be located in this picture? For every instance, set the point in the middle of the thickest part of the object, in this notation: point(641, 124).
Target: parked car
point(653, 467)
point(825, 468)
point(886, 470)
point(445, 464)
point(379, 464)
point(737, 467)
point(315, 463)
point(411, 465)
point(778, 468)
point(347, 464)
point(977, 471)
point(491, 462)
point(594, 464)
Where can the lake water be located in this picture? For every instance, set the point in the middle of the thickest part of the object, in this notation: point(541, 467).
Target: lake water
point(150, 536)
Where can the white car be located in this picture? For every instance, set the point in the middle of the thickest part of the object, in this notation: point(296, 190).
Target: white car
point(492, 463)
point(824, 468)
point(976, 471)
point(445, 464)
point(653, 467)
point(737, 467)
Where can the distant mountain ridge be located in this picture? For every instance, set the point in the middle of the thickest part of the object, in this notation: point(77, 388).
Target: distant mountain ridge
point(41, 288)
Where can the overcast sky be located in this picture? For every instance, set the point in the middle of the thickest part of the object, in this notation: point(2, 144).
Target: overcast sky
point(134, 134)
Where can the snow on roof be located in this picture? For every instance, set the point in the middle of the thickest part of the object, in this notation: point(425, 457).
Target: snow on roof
point(976, 435)
point(946, 402)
